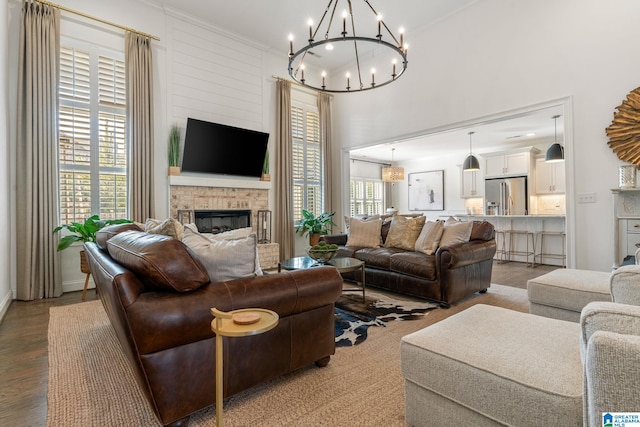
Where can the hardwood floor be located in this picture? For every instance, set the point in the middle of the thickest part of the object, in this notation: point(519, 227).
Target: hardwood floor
point(516, 274)
point(24, 359)
point(24, 362)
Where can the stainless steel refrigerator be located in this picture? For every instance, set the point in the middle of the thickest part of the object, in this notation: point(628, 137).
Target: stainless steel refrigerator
point(506, 196)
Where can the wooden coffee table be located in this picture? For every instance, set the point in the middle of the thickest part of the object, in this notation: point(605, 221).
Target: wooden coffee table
point(343, 265)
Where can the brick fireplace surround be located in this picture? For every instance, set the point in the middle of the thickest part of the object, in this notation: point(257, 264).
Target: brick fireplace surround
point(201, 196)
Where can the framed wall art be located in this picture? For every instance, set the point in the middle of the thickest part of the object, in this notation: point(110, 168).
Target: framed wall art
point(426, 191)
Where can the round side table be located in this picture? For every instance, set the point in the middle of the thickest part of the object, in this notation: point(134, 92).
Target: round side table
point(223, 325)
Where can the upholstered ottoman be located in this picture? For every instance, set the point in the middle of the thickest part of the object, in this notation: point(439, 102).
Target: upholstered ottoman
point(490, 366)
point(562, 293)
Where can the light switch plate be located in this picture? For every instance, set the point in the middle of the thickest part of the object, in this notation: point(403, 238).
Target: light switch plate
point(586, 197)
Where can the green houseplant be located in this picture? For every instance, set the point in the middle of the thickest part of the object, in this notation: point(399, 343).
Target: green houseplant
point(174, 150)
point(265, 167)
point(314, 226)
point(84, 232)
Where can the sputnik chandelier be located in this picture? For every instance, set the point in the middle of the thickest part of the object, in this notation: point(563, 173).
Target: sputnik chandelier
point(383, 46)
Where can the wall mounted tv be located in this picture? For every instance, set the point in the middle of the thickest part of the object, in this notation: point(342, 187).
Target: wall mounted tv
point(220, 149)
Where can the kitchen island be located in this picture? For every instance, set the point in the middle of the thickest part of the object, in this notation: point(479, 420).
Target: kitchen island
point(534, 239)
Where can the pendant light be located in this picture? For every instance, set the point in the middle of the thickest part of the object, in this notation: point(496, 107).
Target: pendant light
point(471, 163)
point(392, 173)
point(555, 153)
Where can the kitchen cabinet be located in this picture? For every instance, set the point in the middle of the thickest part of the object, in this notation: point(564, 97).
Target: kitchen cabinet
point(507, 164)
point(471, 184)
point(549, 177)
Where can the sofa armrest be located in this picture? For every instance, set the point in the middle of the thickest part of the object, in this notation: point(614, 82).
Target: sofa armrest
point(335, 239)
point(463, 254)
point(610, 375)
point(625, 285)
point(610, 317)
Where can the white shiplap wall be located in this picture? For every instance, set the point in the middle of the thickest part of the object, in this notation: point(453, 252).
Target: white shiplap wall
point(214, 77)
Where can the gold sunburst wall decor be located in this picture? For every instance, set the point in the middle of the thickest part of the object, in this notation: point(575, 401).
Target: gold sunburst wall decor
point(624, 131)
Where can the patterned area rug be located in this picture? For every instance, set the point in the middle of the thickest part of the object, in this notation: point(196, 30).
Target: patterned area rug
point(354, 316)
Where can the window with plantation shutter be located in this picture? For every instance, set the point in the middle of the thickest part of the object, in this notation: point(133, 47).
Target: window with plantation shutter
point(93, 145)
point(307, 160)
point(366, 196)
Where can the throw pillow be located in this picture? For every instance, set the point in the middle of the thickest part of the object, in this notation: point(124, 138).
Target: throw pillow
point(347, 219)
point(168, 227)
point(364, 234)
point(109, 231)
point(404, 232)
point(159, 261)
point(456, 232)
point(224, 259)
point(429, 238)
point(239, 233)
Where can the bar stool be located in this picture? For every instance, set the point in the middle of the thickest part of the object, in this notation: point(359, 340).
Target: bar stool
point(530, 236)
point(562, 256)
point(501, 243)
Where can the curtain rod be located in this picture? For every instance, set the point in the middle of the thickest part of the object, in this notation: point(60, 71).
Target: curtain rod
point(122, 27)
point(273, 76)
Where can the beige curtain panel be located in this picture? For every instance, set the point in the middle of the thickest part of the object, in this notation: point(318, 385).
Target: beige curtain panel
point(324, 113)
point(138, 63)
point(38, 272)
point(283, 178)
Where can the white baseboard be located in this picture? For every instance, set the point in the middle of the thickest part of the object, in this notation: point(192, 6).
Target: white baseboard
point(5, 303)
point(76, 285)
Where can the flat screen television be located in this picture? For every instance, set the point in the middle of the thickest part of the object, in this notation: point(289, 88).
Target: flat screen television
point(220, 149)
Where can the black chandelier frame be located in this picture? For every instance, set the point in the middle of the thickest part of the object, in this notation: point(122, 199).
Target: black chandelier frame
point(297, 72)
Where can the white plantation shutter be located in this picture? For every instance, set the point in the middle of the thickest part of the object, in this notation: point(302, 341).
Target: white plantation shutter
point(93, 145)
point(307, 160)
point(366, 196)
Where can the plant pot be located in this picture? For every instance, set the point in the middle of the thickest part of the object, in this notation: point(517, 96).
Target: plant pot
point(314, 239)
point(84, 264)
point(174, 170)
point(265, 177)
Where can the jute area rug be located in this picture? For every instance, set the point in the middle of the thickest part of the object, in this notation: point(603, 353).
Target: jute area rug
point(91, 384)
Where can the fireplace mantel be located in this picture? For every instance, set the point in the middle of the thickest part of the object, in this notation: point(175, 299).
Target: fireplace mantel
point(207, 181)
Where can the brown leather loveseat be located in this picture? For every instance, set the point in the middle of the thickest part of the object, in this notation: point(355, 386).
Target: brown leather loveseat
point(158, 297)
point(450, 274)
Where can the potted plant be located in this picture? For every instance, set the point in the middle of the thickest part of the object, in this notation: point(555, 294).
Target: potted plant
point(174, 150)
point(265, 167)
point(314, 226)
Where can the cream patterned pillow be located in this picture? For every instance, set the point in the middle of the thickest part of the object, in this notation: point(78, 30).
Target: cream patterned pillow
point(238, 233)
point(429, 238)
point(456, 232)
point(168, 227)
point(224, 259)
point(364, 234)
point(404, 232)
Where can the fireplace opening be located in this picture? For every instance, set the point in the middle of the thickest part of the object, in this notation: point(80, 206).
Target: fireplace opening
point(219, 221)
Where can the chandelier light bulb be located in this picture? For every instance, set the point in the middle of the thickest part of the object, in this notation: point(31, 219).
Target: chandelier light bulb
point(328, 46)
point(401, 31)
point(344, 23)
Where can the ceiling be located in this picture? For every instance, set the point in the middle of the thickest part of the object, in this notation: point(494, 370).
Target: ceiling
point(492, 135)
point(268, 23)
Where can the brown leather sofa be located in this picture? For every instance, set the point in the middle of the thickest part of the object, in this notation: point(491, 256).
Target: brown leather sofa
point(447, 276)
point(158, 298)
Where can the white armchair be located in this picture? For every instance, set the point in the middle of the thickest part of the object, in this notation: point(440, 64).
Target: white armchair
point(610, 349)
point(625, 285)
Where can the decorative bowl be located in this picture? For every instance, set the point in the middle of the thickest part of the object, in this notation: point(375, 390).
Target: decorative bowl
point(322, 256)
